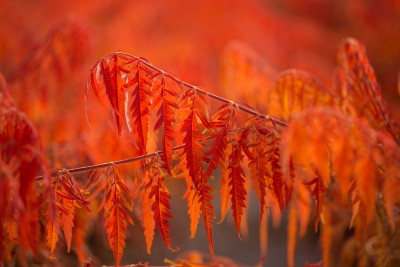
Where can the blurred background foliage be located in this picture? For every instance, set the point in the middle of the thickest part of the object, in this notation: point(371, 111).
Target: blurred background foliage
point(47, 48)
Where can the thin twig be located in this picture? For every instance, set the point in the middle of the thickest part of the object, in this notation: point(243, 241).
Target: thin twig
point(118, 162)
point(211, 95)
point(123, 161)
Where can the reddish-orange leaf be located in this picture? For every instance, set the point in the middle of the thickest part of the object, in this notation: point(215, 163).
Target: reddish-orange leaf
point(20, 141)
point(362, 90)
point(193, 210)
point(21, 160)
point(116, 224)
point(221, 124)
point(52, 234)
point(193, 136)
point(117, 217)
point(147, 217)
point(140, 104)
point(318, 193)
point(107, 85)
point(98, 89)
point(264, 156)
point(288, 183)
point(224, 194)
point(168, 98)
point(236, 184)
point(111, 80)
point(66, 187)
point(67, 220)
point(193, 147)
point(258, 162)
point(322, 131)
point(161, 208)
point(277, 179)
point(207, 212)
point(114, 88)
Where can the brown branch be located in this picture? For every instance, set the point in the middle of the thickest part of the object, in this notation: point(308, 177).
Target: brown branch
point(118, 162)
point(216, 97)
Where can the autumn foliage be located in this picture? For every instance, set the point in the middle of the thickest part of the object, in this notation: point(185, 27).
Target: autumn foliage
point(322, 154)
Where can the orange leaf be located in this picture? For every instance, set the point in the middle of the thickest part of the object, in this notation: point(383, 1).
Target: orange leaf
point(117, 217)
point(207, 212)
point(222, 123)
point(258, 164)
point(161, 208)
point(193, 210)
point(277, 179)
point(288, 183)
point(236, 184)
point(193, 136)
point(362, 91)
point(147, 217)
point(116, 224)
point(67, 221)
point(140, 105)
point(113, 85)
point(224, 194)
point(167, 97)
point(52, 235)
point(318, 193)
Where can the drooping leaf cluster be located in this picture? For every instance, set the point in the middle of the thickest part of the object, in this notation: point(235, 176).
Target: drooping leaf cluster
point(21, 160)
point(310, 141)
point(329, 121)
point(343, 146)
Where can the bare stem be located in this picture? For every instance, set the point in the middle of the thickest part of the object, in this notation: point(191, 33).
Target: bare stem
point(118, 162)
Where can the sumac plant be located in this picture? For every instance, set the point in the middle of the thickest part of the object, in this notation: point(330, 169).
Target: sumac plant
point(307, 142)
